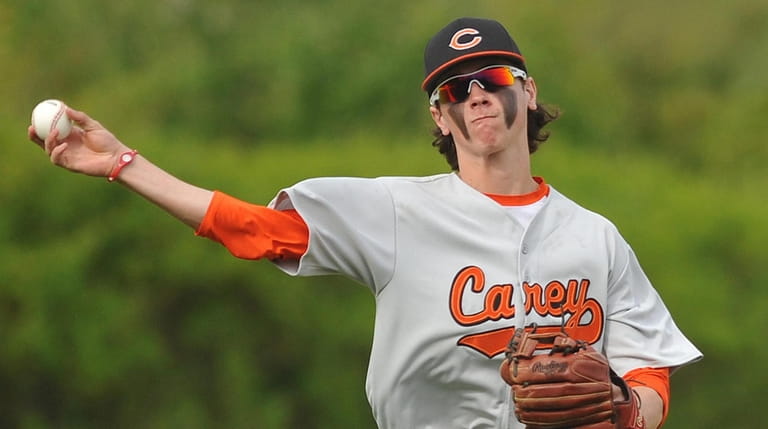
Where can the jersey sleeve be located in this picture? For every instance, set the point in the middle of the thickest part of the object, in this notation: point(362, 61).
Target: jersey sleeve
point(351, 225)
point(640, 331)
point(251, 231)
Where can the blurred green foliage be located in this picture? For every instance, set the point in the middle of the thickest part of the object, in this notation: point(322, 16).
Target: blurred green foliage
point(114, 315)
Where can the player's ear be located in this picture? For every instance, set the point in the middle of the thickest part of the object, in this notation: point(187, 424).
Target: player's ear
point(529, 87)
point(439, 119)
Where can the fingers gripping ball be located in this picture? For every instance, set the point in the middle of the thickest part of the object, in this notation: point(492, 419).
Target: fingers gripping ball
point(569, 386)
point(51, 115)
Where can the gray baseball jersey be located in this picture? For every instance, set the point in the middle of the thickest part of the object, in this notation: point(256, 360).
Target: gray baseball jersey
point(453, 274)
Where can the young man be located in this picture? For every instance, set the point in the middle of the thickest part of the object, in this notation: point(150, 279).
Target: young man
point(456, 261)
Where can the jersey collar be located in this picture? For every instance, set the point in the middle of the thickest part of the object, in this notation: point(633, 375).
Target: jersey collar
point(525, 199)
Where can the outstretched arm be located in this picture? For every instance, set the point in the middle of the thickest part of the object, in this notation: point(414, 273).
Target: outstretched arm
point(92, 150)
point(186, 202)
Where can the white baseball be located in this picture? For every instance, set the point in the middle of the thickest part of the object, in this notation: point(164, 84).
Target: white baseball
point(51, 115)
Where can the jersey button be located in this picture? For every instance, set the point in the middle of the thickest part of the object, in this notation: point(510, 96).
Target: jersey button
point(525, 249)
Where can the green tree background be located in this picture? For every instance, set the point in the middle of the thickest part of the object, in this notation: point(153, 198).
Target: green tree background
point(112, 314)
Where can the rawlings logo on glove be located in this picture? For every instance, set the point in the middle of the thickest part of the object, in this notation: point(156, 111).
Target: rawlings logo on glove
point(568, 387)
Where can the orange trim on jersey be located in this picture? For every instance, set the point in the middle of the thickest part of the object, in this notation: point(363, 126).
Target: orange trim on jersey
point(524, 199)
point(655, 378)
point(250, 231)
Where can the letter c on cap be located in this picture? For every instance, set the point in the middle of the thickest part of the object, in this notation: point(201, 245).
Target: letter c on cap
point(460, 46)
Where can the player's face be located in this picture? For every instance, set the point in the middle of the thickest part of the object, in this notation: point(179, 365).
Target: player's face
point(489, 119)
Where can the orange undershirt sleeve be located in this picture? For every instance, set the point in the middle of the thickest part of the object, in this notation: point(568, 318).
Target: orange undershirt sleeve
point(251, 231)
point(655, 378)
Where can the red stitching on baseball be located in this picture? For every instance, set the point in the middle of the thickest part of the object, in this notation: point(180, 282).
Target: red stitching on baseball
point(56, 118)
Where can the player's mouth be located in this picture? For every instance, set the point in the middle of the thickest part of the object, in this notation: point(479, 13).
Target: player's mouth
point(481, 118)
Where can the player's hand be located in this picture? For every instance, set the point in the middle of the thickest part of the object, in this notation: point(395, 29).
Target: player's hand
point(88, 149)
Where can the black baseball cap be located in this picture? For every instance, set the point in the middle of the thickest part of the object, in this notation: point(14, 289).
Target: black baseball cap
point(463, 39)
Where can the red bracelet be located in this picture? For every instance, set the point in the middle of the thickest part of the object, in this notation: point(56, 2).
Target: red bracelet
point(125, 159)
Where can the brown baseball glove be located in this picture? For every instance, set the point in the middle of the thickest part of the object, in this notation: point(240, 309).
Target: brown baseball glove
point(570, 386)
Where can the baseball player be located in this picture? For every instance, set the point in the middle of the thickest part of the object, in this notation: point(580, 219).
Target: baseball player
point(456, 261)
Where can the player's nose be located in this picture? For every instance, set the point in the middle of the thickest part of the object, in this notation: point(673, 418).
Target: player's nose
point(477, 94)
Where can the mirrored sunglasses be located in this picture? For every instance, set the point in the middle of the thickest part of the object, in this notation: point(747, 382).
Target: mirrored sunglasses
point(492, 78)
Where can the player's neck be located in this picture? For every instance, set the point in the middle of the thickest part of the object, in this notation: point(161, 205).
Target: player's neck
point(501, 175)
point(499, 181)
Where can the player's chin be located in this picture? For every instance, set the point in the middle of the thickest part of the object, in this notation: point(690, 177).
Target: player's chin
point(487, 137)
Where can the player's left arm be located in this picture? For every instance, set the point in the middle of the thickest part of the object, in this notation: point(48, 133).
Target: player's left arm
point(639, 328)
point(652, 388)
point(651, 408)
